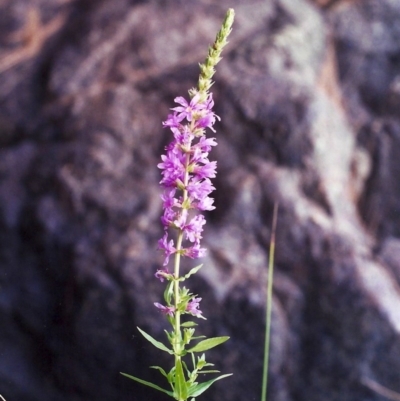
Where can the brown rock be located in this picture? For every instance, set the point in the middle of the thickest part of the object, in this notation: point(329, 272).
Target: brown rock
point(308, 94)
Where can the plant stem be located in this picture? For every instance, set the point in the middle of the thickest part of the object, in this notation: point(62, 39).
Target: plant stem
point(177, 322)
point(269, 303)
point(177, 325)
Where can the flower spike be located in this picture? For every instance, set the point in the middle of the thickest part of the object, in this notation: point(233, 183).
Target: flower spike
point(186, 172)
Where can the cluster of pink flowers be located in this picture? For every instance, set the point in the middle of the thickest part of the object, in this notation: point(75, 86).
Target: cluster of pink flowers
point(192, 308)
point(186, 172)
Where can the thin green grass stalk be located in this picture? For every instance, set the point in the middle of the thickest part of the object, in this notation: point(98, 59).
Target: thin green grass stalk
point(269, 304)
point(379, 389)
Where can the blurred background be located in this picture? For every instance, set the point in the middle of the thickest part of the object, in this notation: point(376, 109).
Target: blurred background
point(309, 98)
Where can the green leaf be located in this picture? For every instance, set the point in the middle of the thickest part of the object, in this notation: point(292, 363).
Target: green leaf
point(192, 271)
point(160, 369)
point(187, 335)
point(201, 363)
point(169, 336)
point(186, 367)
point(207, 344)
point(169, 290)
point(171, 376)
point(146, 383)
point(171, 320)
point(181, 390)
point(208, 371)
point(156, 343)
point(189, 324)
point(198, 389)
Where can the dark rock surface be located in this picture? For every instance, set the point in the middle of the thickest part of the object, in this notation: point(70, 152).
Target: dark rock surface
point(309, 96)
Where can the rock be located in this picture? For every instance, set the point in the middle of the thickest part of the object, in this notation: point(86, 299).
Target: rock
point(308, 98)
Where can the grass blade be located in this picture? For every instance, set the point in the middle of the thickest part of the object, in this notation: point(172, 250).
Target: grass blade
point(146, 383)
point(269, 303)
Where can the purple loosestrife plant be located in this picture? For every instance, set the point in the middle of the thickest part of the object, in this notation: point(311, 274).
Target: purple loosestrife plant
point(186, 180)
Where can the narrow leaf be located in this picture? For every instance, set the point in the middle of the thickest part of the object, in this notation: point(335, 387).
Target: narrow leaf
point(189, 324)
point(171, 376)
point(208, 371)
point(160, 369)
point(195, 391)
point(207, 344)
point(186, 368)
point(156, 343)
point(181, 389)
point(192, 271)
point(146, 383)
point(168, 292)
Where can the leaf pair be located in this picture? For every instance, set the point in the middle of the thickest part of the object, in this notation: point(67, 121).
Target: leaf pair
point(208, 344)
point(199, 347)
point(156, 343)
point(180, 386)
point(182, 389)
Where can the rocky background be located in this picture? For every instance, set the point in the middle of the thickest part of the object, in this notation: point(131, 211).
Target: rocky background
point(309, 96)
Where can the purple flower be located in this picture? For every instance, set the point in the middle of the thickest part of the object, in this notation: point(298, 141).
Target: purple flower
point(207, 120)
point(174, 160)
point(186, 172)
point(168, 198)
point(168, 310)
point(208, 117)
point(186, 110)
point(193, 307)
point(168, 247)
point(180, 222)
point(162, 274)
point(206, 171)
point(183, 139)
point(194, 229)
point(173, 167)
point(195, 251)
point(173, 121)
point(205, 144)
point(198, 156)
point(205, 204)
point(168, 217)
point(199, 189)
point(209, 104)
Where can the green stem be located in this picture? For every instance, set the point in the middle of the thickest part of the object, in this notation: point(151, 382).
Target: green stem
point(177, 315)
point(177, 323)
point(269, 304)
